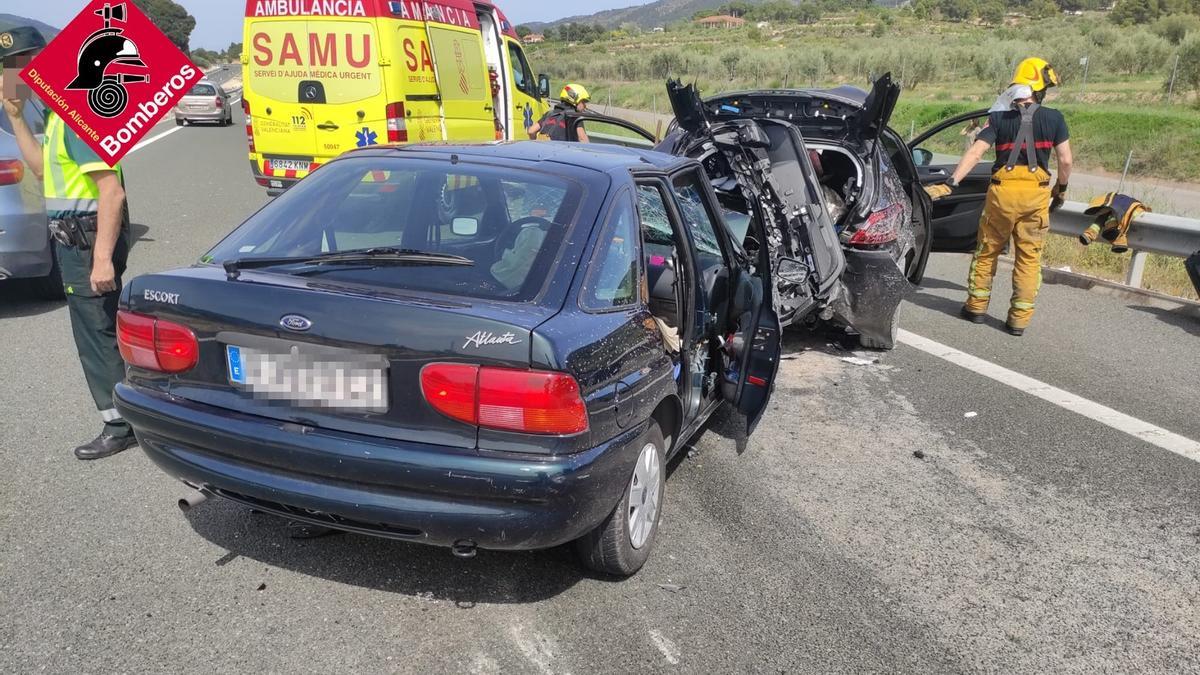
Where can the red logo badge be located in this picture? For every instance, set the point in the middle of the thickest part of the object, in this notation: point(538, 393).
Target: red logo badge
point(111, 75)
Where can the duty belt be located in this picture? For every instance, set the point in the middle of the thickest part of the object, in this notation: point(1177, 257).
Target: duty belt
point(73, 230)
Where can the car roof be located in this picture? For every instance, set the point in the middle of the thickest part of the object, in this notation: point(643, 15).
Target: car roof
point(594, 156)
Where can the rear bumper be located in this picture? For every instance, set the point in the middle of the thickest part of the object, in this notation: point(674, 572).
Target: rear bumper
point(275, 186)
point(410, 491)
point(25, 251)
point(196, 116)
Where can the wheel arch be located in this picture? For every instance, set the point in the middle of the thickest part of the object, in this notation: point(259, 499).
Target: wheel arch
point(669, 416)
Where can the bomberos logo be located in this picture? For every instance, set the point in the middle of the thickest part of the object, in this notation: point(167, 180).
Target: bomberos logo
point(111, 75)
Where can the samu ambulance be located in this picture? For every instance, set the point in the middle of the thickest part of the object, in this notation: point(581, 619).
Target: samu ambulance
point(324, 76)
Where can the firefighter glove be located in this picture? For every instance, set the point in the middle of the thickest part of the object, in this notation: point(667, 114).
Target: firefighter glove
point(941, 190)
point(1058, 196)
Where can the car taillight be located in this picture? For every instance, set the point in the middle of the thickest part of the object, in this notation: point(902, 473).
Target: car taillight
point(220, 103)
point(11, 171)
point(397, 127)
point(249, 127)
point(527, 401)
point(155, 344)
point(881, 227)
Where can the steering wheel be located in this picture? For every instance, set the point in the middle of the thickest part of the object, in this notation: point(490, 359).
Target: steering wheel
point(508, 238)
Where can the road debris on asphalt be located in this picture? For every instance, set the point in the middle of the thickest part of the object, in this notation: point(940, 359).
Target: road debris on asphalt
point(673, 588)
point(859, 361)
point(971, 414)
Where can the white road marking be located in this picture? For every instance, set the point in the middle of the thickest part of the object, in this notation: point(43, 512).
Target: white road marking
point(669, 651)
point(1155, 435)
point(152, 139)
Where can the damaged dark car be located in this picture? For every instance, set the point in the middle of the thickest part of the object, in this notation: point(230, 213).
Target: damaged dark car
point(837, 188)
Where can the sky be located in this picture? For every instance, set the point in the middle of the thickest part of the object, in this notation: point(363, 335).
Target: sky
point(219, 22)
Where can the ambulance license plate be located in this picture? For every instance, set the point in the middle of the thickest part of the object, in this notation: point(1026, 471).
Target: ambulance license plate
point(290, 164)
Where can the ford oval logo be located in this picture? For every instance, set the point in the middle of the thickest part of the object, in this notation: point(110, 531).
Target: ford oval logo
point(295, 322)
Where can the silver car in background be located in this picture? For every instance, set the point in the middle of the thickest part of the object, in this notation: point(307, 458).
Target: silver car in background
point(25, 250)
point(205, 102)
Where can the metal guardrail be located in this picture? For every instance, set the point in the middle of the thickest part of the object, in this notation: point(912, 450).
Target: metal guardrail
point(1149, 233)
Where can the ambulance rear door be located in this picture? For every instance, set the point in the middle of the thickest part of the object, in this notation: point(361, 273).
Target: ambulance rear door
point(315, 89)
point(462, 77)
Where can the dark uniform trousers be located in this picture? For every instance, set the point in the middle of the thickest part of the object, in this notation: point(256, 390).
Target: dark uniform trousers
point(94, 325)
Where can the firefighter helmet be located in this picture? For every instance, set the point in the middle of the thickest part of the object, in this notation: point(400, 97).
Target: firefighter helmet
point(1037, 73)
point(574, 94)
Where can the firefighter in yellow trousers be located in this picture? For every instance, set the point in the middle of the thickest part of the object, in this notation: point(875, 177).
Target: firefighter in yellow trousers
point(1020, 198)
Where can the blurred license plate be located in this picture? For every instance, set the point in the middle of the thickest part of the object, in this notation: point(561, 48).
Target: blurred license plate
point(290, 164)
point(343, 382)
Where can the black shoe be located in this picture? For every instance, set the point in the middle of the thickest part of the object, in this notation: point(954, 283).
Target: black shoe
point(105, 446)
point(1018, 332)
point(972, 316)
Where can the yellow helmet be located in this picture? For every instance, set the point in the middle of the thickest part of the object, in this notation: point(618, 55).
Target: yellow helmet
point(574, 94)
point(1037, 73)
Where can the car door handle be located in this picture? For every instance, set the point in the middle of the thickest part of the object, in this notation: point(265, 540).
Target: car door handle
point(328, 126)
point(937, 172)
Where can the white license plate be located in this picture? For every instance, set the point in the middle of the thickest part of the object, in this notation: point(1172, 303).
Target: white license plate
point(290, 164)
point(347, 383)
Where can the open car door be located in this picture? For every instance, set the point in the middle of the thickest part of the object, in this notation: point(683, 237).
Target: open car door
point(936, 152)
point(751, 347)
point(605, 130)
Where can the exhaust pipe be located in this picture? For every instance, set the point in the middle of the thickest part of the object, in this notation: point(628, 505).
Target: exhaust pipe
point(463, 548)
point(192, 500)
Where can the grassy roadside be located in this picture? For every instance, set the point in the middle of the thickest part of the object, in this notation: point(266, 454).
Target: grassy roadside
point(1163, 273)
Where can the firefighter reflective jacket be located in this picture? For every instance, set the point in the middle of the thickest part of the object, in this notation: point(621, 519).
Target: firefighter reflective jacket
point(1114, 213)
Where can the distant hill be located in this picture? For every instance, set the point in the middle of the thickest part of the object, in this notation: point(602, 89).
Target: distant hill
point(658, 13)
point(12, 20)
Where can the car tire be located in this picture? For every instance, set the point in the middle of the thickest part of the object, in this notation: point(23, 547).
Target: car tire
point(179, 122)
point(49, 287)
point(610, 548)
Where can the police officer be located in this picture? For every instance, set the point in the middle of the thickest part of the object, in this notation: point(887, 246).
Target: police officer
point(553, 125)
point(1020, 198)
point(85, 202)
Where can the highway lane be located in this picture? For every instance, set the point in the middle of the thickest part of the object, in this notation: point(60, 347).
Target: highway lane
point(1026, 538)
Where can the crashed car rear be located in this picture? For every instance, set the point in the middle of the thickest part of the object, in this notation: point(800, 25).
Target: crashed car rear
point(763, 173)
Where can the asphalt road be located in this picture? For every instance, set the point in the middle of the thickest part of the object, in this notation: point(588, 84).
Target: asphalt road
point(1026, 538)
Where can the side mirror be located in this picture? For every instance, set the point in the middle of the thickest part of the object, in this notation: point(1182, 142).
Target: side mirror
point(465, 227)
point(922, 157)
point(543, 86)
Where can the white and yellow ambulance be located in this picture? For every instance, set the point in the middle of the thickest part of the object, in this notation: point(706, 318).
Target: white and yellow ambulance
point(324, 76)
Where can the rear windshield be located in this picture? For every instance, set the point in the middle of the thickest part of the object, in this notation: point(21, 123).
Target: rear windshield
point(203, 90)
point(510, 224)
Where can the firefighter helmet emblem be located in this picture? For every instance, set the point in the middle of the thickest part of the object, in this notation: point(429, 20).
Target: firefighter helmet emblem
point(106, 47)
point(6, 40)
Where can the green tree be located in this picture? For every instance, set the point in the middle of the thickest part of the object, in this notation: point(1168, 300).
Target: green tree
point(233, 53)
point(171, 19)
point(1176, 27)
point(1042, 9)
point(957, 10)
point(730, 60)
point(992, 13)
point(524, 31)
point(808, 12)
point(664, 63)
point(1189, 63)
point(1133, 12)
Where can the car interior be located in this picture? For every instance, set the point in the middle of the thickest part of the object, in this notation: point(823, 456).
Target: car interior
point(508, 228)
